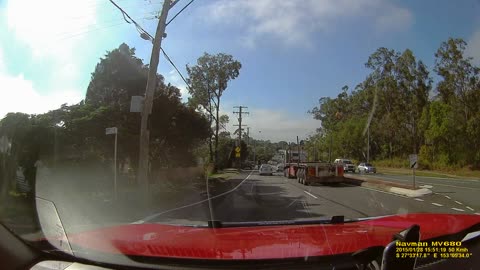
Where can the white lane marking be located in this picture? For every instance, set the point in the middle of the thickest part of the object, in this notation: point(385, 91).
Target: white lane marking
point(292, 203)
point(420, 200)
point(445, 185)
point(305, 206)
point(437, 204)
point(268, 193)
point(469, 208)
point(477, 214)
point(459, 202)
point(456, 209)
point(448, 197)
point(449, 179)
point(310, 194)
point(436, 184)
point(445, 179)
point(381, 191)
point(199, 202)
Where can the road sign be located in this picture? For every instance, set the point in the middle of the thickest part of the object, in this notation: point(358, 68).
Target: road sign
point(238, 149)
point(111, 130)
point(413, 161)
point(237, 155)
point(136, 104)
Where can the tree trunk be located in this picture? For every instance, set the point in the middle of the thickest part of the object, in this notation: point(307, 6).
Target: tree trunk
point(211, 149)
point(217, 126)
point(210, 142)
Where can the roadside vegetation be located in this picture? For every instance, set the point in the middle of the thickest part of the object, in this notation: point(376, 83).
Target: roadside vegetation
point(404, 111)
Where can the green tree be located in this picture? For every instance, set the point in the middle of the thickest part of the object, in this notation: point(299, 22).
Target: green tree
point(459, 89)
point(208, 79)
point(175, 129)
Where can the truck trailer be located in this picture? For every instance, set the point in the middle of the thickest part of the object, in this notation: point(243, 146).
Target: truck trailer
point(306, 173)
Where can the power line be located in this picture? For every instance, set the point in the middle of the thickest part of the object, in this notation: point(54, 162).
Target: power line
point(178, 13)
point(72, 35)
point(175, 67)
point(144, 34)
point(125, 16)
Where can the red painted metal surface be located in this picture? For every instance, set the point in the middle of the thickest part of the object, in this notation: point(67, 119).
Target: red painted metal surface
point(264, 242)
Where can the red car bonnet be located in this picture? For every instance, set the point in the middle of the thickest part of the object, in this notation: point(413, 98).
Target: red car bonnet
point(263, 242)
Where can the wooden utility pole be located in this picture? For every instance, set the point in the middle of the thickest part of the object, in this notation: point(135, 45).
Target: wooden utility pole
point(298, 150)
point(240, 112)
point(143, 160)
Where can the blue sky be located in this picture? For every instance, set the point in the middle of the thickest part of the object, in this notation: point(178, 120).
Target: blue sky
point(292, 52)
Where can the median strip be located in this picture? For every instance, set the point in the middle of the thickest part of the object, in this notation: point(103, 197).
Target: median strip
point(391, 187)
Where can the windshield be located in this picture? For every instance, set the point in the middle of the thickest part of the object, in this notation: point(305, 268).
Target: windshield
point(140, 114)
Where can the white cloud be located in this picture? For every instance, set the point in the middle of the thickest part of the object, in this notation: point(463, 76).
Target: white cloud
point(473, 49)
point(2, 61)
point(53, 30)
point(275, 125)
point(293, 22)
point(45, 25)
point(19, 95)
point(395, 19)
point(173, 78)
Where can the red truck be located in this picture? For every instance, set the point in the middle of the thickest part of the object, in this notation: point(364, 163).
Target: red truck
point(306, 173)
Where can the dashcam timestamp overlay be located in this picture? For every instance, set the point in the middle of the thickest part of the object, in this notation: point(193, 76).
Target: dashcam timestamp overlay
point(432, 249)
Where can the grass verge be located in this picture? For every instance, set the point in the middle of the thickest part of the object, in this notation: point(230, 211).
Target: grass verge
point(226, 174)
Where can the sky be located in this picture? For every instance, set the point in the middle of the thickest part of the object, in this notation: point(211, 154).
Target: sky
point(292, 52)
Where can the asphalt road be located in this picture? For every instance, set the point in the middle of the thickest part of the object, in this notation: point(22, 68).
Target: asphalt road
point(463, 192)
point(250, 197)
point(274, 198)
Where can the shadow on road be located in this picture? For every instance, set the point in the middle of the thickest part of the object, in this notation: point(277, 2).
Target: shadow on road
point(240, 200)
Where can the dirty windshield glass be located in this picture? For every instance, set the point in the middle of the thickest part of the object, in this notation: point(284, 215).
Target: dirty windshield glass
point(128, 121)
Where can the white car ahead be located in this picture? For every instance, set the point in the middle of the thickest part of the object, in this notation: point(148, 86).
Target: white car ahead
point(265, 169)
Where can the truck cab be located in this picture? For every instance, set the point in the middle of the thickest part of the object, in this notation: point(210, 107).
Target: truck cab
point(348, 165)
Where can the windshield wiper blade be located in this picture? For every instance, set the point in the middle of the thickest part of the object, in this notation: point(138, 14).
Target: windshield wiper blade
point(222, 224)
